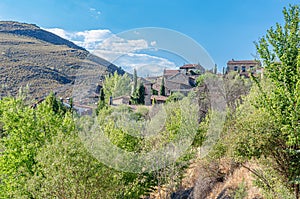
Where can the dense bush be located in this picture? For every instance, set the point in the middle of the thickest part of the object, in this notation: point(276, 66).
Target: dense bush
point(43, 156)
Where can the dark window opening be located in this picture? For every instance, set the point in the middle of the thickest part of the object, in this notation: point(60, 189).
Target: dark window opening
point(243, 68)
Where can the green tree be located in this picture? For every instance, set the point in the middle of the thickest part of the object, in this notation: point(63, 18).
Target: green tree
point(234, 88)
point(280, 54)
point(26, 131)
point(180, 124)
point(42, 156)
point(66, 169)
point(141, 90)
point(135, 83)
point(101, 102)
point(268, 126)
point(116, 85)
point(138, 97)
point(175, 97)
point(71, 104)
point(215, 69)
point(162, 87)
point(57, 105)
point(123, 86)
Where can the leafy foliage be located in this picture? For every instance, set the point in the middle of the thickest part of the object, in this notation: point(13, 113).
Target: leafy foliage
point(135, 81)
point(162, 90)
point(267, 125)
point(101, 103)
point(175, 97)
point(283, 102)
point(67, 170)
point(42, 155)
point(26, 130)
point(138, 96)
point(116, 85)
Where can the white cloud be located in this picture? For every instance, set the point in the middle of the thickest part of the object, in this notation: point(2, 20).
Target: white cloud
point(120, 51)
point(88, 39)
point(94, 13)
point(146, 65)
point(91, 40)
point(153, 43)
point(118, 44)
point(114, 47)
point(60, 32)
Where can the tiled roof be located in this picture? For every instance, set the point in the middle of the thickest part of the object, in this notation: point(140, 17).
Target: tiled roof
point(193, 66)
point(176, 86)
point(179, 78)
point(144, 80)
point(159, 97)
point(168, 72)
point(176, 82)
point(151, 79)
point(156, 86)
point(122, 97)
point(188, 66)
point(232, 62)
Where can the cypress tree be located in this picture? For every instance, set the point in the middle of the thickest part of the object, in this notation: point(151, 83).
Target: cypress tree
point(101, 102)
point(162, 87)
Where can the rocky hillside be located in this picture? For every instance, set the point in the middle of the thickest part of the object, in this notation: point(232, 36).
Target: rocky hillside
point(43, 61)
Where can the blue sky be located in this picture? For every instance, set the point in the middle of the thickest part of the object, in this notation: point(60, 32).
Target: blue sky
point(226, 29)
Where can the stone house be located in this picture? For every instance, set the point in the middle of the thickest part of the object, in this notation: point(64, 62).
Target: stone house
point(121, 100)
point(244, 67)
point(158, 99)
point(181, 80)
point(192, 69)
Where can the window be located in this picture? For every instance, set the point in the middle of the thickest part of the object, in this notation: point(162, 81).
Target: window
point(236, 68)
point(243, 68)
point(252, 69)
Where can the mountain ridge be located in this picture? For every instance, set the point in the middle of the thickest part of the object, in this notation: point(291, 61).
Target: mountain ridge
point(31, 56)
point(32, 30)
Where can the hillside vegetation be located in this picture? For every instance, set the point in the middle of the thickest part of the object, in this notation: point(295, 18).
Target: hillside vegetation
point(30, 56)
point(247, 147)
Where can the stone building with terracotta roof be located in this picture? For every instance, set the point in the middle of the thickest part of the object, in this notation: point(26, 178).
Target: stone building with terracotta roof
point(159, 99)
point(192, 68)
point(181, 80)
point(176, 80)
point(121, 100)
point(244, 67)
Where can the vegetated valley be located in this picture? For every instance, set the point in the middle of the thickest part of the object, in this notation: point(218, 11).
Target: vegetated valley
point(43, 154)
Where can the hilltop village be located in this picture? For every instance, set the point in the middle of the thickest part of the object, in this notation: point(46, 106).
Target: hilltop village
point(75, 125)
point(158, 89)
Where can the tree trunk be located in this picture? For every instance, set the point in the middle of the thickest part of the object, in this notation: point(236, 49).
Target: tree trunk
point(297, 191)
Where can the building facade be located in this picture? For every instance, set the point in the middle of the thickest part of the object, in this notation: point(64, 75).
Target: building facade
point(244, 67)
